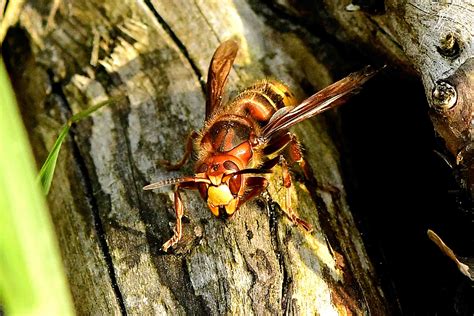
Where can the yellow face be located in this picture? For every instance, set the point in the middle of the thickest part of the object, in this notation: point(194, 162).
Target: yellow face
point(221, 196)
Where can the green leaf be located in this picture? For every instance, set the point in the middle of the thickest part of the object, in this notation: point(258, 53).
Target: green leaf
point(32, 280)
point(47, 170)
point(83, 114)
point(49, 166)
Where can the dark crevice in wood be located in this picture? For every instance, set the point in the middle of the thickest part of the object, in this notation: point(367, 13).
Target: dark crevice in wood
point(286, 283)
point(418, 8)
point(89, 193)
point(98, 224)
point(122, 129)
point(181, 46)
point(371, 6)
point(387, 35)
point(277, 15)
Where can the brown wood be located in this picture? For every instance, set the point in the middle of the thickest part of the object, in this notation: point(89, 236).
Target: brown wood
point(111, 230)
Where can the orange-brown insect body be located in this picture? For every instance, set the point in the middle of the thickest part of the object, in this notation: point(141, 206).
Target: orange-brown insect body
point(229, 143)
point(244, 139)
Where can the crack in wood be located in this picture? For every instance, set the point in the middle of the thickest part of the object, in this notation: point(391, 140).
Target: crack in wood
point(178, 43)
point(89, 193)
point(286, 280)
point(98, 226)
point(385, 33)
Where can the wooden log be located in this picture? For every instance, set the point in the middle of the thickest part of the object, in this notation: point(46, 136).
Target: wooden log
point(157, 54)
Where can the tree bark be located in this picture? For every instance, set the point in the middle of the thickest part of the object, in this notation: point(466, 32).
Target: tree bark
point(157, 54)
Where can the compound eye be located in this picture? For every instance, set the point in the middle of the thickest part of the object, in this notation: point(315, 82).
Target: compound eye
point(235, 183)
point(202, 168)
point(229, 165)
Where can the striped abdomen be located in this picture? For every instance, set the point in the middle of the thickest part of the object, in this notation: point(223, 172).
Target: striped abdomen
point(262, 100)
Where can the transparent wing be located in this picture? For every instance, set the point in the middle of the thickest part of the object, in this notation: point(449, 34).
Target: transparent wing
point(331, 96)
point(221, 64)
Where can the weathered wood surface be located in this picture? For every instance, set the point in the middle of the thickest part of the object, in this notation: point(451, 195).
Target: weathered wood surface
point(157, 54)
point(434, 39)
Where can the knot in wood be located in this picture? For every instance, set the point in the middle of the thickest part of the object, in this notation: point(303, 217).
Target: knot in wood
point(449, 46)
point(444, 96)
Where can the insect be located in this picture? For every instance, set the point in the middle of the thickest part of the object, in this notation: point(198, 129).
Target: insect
point(243, 140)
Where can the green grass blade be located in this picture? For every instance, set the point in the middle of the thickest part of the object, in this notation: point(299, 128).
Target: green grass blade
point(49, 166)
point(83, 114)
point(47, 170)
point(32, 280)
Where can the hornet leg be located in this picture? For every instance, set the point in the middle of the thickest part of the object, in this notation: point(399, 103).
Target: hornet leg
point(289, 145)
point(178, 230)
point(289, 210)
point(187, 153)
point(255, 185)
